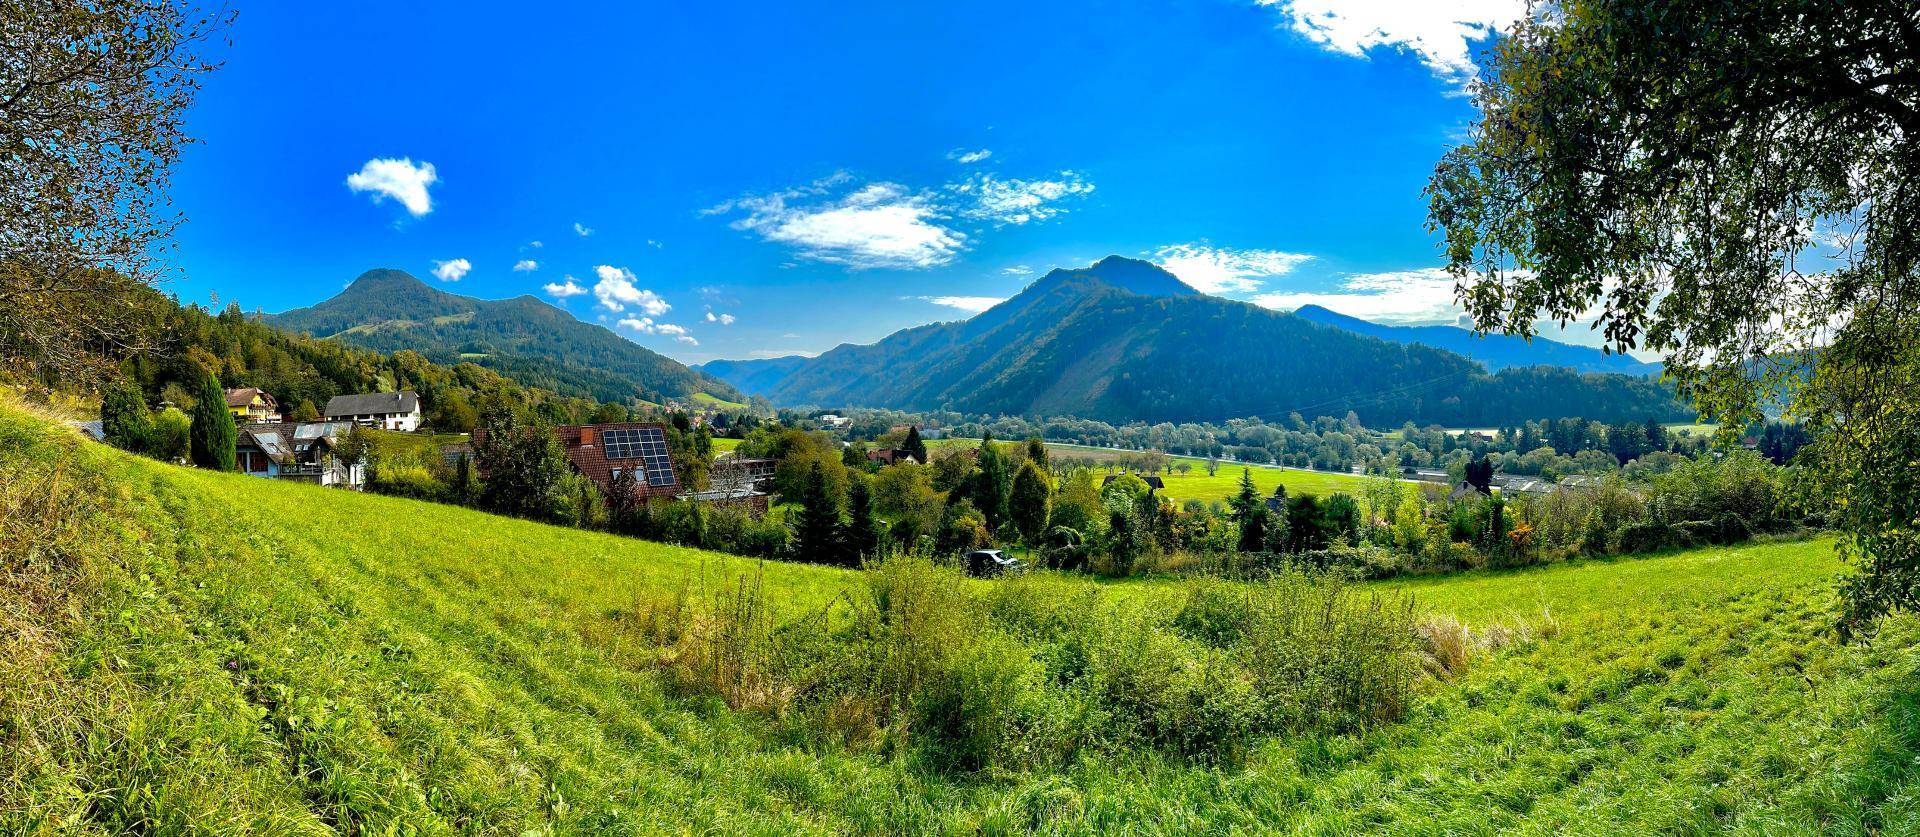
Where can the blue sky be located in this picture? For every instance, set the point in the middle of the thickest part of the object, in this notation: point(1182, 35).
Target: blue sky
point(738, 180)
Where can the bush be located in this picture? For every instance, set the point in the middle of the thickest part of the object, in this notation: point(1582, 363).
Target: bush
point(405, 480)
point(1650, 535)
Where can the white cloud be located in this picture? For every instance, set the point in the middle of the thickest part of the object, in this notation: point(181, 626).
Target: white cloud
point(1010, 201)
point(1422, 296)
point(969, 304)
point(570, 288)
point(536, 243)
point(452, 269)
point(525, 265)
point(965, 157)
point(582, 230)
point(646, 325)
point(879, 225)
point(1438, 31)
point(616, 291)
point(1219, 270)
point(399, 179)
point(723, 319)
point(1017, 270)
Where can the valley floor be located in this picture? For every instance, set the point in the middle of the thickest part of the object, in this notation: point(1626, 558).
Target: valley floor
point(183, 651)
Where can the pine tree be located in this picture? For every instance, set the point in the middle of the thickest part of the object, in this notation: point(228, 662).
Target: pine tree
point(862, 537)
point(1251, 513)
point(212, 434)
point(817, 528)
point(1031, 502)
point(914, 446)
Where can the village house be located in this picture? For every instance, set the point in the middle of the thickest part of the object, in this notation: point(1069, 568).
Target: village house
point(252, 405)
point(384, 410)
point(297, 451)
point(605, 452)
point(890, 456)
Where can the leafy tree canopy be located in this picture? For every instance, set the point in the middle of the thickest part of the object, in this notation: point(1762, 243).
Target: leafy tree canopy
point(1734, 184)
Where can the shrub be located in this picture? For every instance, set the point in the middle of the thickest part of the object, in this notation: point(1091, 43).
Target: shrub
point(1650, 535)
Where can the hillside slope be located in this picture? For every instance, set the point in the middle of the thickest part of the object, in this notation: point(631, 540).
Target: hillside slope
point(1124, 341)
point(1495, 351)
point(523, 338)
point(188, 652)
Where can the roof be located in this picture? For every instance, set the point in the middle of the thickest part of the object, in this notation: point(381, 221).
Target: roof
point(245, 396)
point(374, 403)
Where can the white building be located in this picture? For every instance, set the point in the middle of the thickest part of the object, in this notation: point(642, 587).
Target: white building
point(385, 410)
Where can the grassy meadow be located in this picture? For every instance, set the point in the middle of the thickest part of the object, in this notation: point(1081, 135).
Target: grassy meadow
point(1196, 485)
point(192, 652)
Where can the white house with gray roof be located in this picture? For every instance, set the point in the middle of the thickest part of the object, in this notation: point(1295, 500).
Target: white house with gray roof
point(385, 410)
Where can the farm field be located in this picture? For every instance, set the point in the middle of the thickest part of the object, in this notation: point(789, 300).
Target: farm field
point(191, 652)
point(1196, 485)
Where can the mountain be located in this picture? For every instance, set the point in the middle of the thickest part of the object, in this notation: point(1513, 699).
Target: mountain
point(1124, 340)
point(523, 337)
point(1497, 351)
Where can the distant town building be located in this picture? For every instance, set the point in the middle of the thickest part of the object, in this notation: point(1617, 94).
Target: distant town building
point(834, 422)
point(252, 405)
point(384, 410)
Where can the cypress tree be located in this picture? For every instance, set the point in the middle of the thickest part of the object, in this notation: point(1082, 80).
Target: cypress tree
point(212, 435)
point(1037, 452)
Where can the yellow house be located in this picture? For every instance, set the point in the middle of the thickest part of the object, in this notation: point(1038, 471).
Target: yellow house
point(249, 405)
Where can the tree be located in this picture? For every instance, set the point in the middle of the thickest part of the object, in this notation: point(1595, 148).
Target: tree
point(523, 466)
point(1037, 452)
point(1731, 185)
point(212, 435)
point(454, 414)
point(961, 529)
point(1479, 474)
point(914, 446)
point(92, 119)
point(862, 536)
point(1030, 502)
point(991, 483)
point(1250, 512)
point(172, 434)
point(124, 419)
point(305, 411)
point(817, 527)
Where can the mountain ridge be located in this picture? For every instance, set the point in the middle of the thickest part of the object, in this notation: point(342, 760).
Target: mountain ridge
point(524, 337)
point(1079, 342)
point(1495, 351)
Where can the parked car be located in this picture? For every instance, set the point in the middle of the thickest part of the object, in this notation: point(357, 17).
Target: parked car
point(985, 563)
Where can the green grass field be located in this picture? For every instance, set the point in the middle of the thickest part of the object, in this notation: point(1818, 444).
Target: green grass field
point(1196, 485)
point(190, 652)
point(715, 401)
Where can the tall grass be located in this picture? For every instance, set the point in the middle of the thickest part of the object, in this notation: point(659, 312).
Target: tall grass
point(1012, 676)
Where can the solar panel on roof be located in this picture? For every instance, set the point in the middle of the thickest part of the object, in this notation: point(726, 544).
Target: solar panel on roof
point(647, 444)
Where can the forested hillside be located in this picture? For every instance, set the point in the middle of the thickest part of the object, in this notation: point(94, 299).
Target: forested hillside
point(1125, 341)
point(535, 343)
point(188, 342)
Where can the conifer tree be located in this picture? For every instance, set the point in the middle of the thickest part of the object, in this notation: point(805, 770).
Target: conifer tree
point(124, 419)
point(212, 434)
point(914, 446)
point(817, 528)
point(1251, 513)
point(991, 484)
point(862, 537)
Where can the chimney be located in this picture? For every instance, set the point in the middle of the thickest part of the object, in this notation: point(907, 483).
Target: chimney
point(586, 436)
